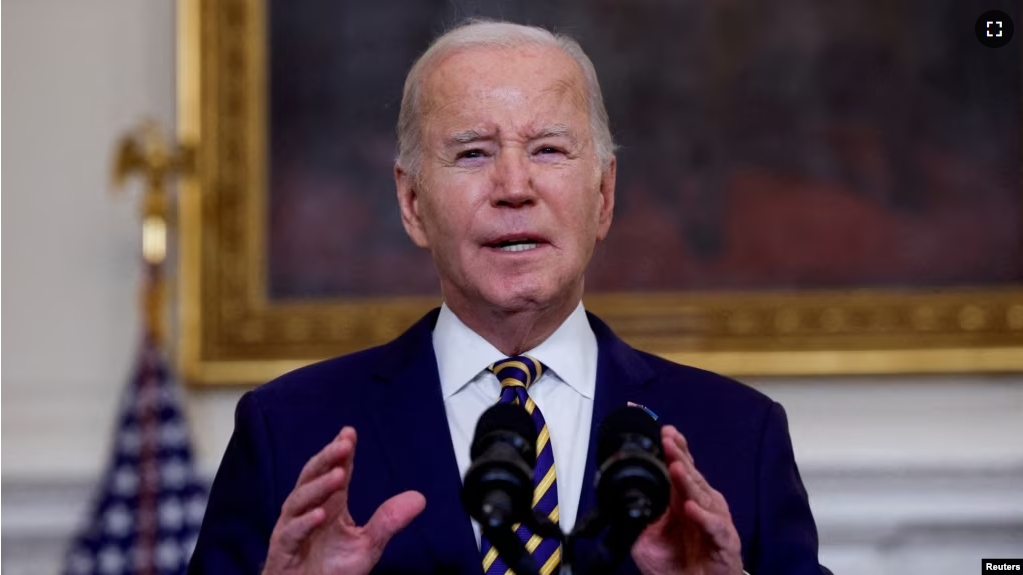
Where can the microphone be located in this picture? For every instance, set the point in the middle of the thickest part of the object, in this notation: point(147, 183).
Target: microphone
point(498, 487)
point(632, 481)
point(632, 486)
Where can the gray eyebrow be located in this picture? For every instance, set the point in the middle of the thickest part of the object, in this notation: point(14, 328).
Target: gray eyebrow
point(556, 130)
point(467, 137)
point(471, 136)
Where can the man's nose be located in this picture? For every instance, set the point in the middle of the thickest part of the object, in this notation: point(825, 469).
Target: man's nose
point(513, 180)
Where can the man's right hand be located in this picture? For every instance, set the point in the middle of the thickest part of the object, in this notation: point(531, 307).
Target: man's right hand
point(316, 535)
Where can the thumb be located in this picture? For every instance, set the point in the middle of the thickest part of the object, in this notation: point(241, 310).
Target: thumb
point(394, 515)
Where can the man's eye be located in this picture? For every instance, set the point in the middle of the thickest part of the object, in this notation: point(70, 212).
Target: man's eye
point(548, 150)
point(471, 154)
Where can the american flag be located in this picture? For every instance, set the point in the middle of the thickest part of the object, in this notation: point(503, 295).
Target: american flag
point(147, 511)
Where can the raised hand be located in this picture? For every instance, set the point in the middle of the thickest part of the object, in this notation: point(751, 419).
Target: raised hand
point(315, 534)
point(695, 536)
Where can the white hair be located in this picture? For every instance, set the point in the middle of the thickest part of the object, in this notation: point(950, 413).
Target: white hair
point(479, 33)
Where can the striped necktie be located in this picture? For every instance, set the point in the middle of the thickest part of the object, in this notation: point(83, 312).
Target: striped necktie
point(516, 374)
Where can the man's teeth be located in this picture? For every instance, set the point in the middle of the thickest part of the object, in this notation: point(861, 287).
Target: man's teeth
point(519, 247)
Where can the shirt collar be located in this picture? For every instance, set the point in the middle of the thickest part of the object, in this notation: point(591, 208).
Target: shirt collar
point(570, 352)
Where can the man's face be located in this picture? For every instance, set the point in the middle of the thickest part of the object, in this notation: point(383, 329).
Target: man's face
point(511, 197)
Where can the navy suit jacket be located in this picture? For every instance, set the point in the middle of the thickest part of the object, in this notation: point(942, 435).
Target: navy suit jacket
point(391, 394)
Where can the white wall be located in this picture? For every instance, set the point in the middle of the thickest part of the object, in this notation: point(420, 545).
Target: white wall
point(76, 74)
point(906, 475)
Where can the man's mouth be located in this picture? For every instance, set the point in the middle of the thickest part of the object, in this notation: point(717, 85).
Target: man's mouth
point(516, 244)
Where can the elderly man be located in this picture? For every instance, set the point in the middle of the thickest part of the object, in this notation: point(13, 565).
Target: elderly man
point(506, 174)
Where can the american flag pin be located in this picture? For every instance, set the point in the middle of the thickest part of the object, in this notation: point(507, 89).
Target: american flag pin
point(649, 411)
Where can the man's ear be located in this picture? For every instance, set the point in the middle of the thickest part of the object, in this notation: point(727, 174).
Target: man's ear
point(606, 206)
point(408, 202)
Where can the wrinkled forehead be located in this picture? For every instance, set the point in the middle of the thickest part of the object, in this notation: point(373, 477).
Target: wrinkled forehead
point(532, 80)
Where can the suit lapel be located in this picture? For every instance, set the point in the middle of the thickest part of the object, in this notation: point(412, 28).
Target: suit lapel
point(622, 375)
point(412, 423)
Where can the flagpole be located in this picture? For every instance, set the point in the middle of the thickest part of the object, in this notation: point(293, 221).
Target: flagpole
point(146, 153)
point(148, 508)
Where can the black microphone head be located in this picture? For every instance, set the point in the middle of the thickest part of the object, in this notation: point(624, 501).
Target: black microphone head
point(498, 487)
point(632, 422)
point(504, 418)
point(632, 482)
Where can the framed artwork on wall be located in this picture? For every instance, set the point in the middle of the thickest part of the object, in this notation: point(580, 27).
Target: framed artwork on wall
point(802, 188)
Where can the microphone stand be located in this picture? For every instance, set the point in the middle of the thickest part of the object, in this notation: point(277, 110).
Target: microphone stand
point(511, 550)
point(608, 552)
point(499, 531)
point(611, 551)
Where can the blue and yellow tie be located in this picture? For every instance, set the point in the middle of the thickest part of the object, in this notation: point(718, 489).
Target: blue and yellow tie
point(516, 374)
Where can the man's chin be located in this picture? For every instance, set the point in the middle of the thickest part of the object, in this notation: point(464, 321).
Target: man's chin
point(512, 299)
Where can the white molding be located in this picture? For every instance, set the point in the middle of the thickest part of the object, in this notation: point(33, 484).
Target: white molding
point(876, 506)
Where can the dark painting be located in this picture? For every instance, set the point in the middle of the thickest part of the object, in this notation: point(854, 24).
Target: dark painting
point(784, 144)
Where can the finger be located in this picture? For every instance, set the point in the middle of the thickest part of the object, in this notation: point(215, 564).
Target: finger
point(675, 445)
point(334, 454)
point(337, 505)
point(394, 515)
point(349, 435)
point(313, 494)
point(717, 526)
point(687, 487)
point(679, 490)
point(698, 489)
point(698, 479)
point(295, 531)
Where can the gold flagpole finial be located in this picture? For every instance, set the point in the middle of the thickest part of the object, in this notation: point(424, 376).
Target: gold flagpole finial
point(145, 151)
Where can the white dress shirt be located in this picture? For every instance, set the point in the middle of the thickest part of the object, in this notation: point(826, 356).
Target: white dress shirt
point(564, 394)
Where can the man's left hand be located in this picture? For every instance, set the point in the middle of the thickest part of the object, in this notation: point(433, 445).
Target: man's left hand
point(695, 536)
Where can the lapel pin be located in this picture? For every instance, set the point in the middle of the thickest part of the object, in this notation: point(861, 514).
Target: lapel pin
point(649, 411)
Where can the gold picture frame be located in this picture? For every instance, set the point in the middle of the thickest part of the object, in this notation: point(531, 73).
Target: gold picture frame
point(231, 332)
